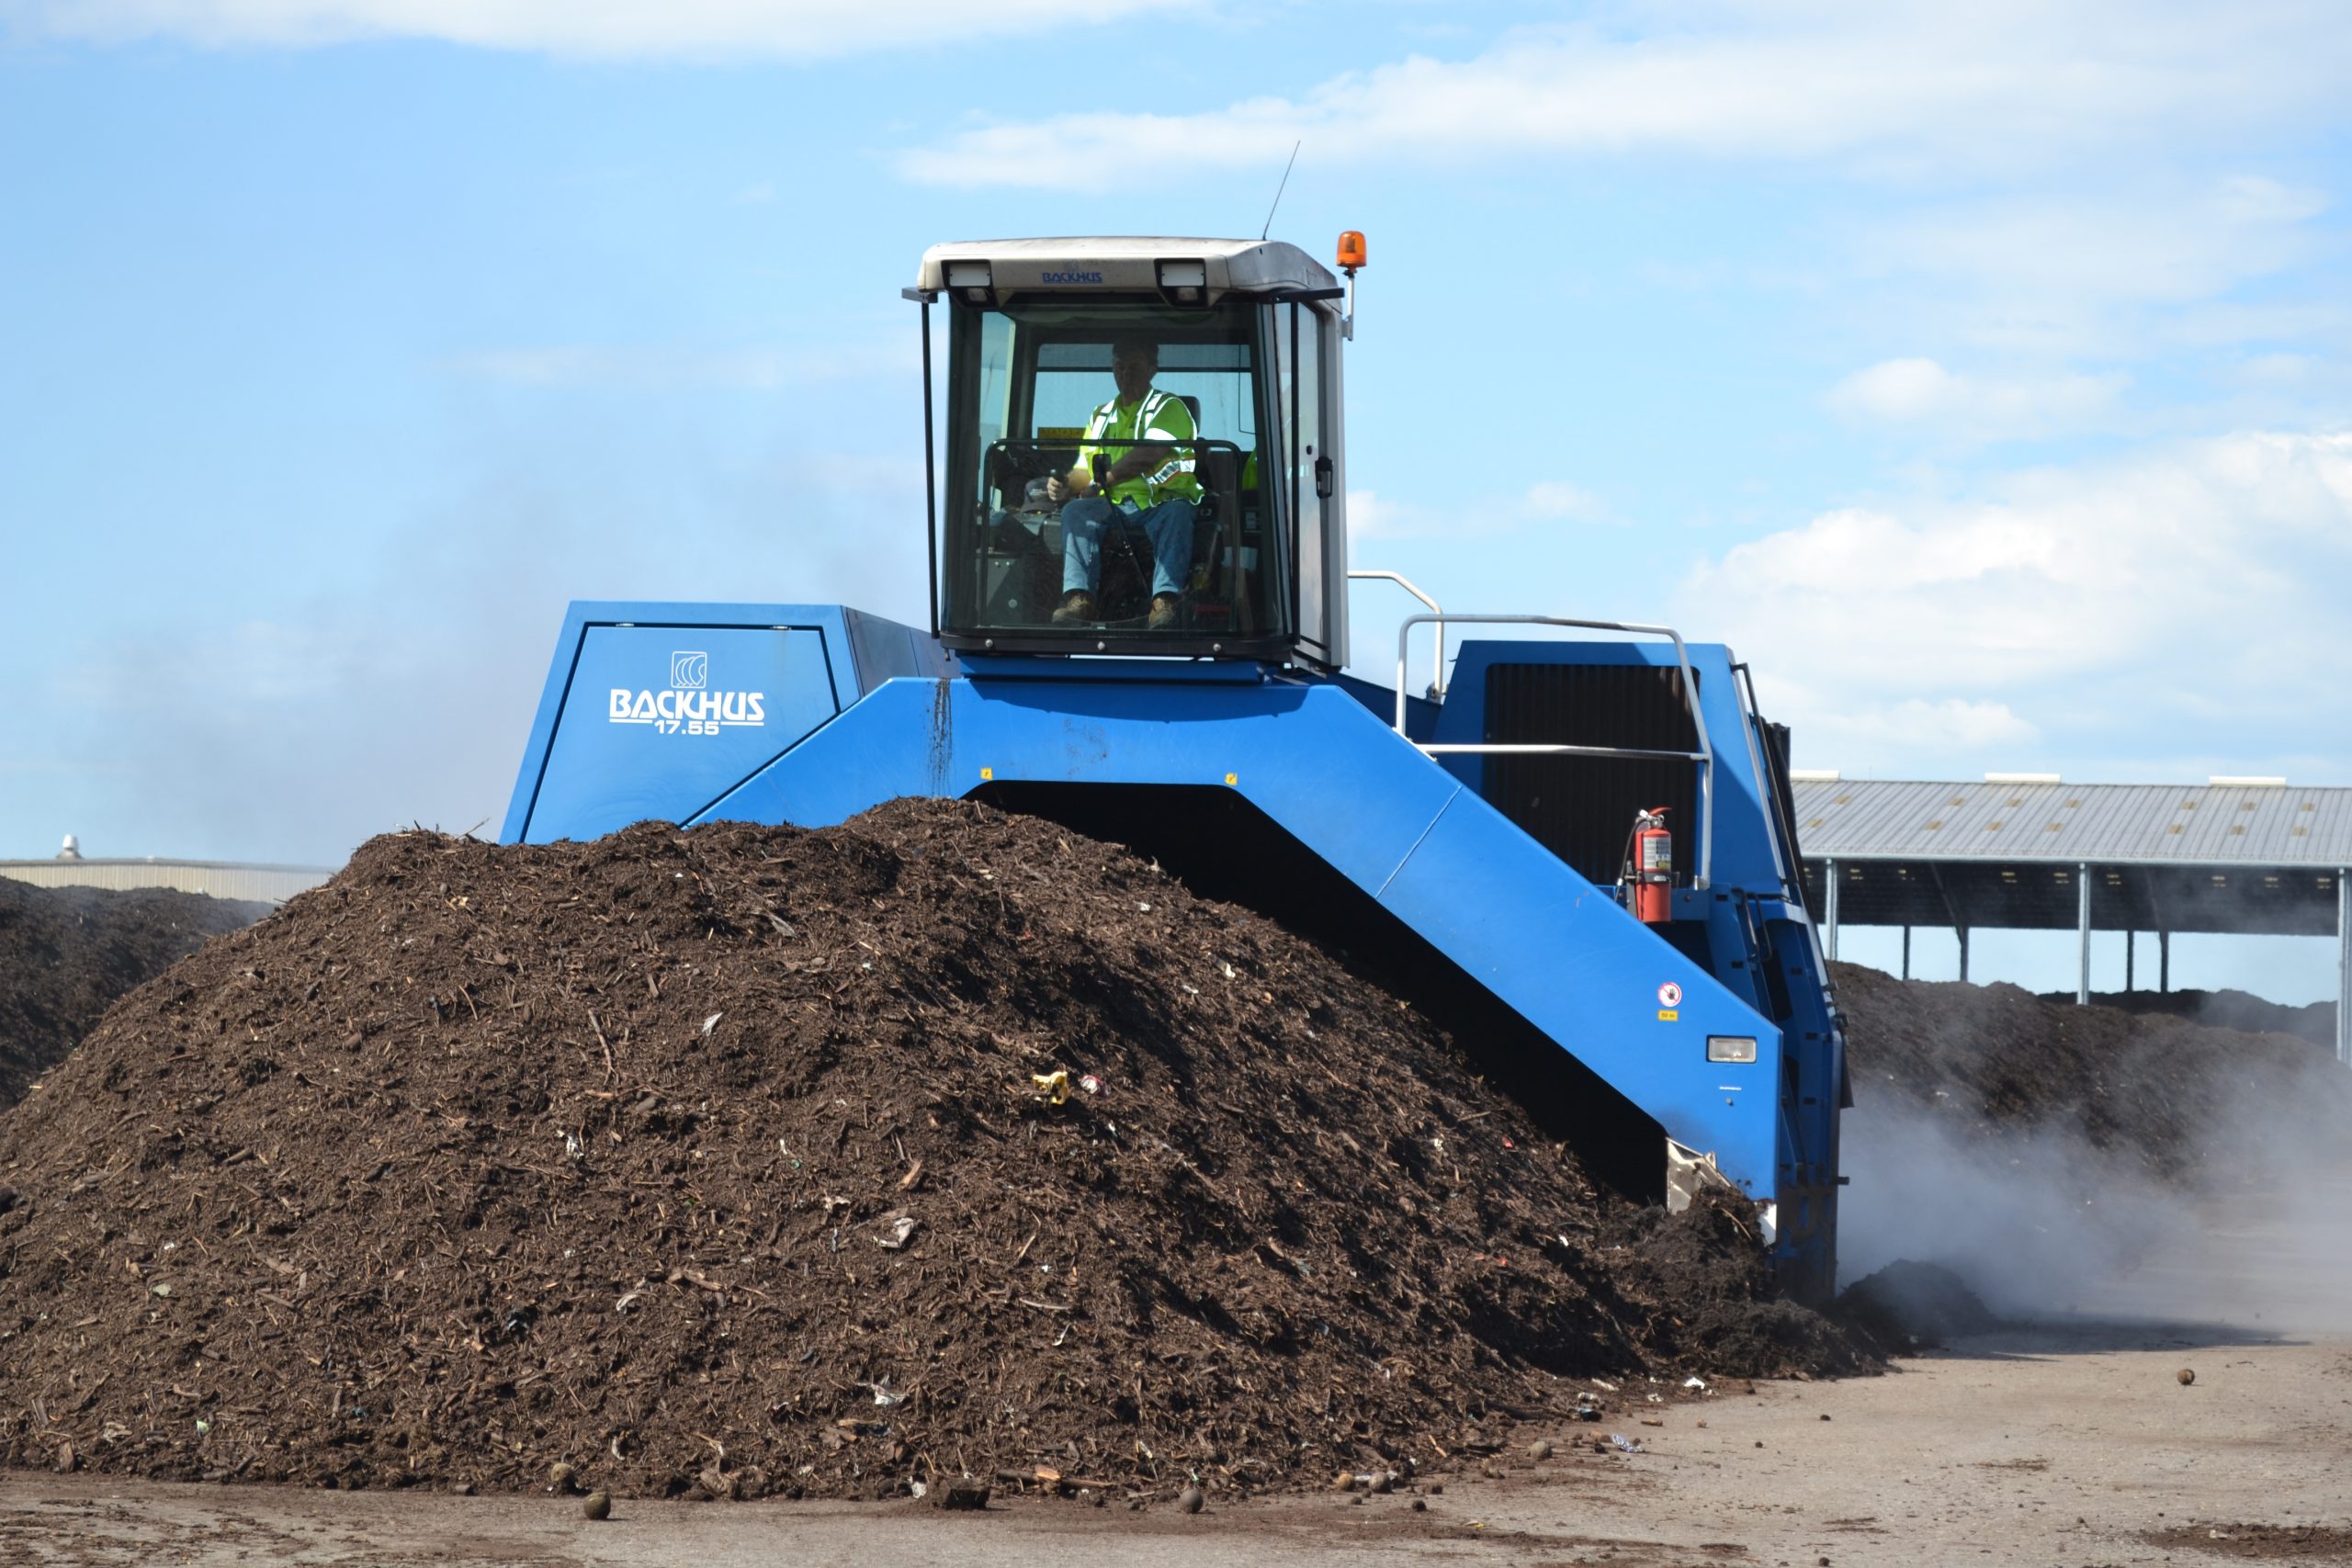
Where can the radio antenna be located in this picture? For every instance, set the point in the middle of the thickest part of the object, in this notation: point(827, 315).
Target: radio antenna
point(1280, 188)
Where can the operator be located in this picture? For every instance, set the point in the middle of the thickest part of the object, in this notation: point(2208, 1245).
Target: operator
point(1146, 436)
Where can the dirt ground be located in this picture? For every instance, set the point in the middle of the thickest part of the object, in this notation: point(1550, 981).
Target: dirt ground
point(2070, 1442)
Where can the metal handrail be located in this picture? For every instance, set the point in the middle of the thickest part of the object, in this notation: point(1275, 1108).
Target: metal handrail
point(1437, 677)
point(1768, 782)
point(1704, 756)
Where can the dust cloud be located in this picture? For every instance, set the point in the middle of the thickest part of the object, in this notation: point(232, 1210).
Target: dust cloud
point(2042, 1223)
point(296, 730)
point(2032, 1223)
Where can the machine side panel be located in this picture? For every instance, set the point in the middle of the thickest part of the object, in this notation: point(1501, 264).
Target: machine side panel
point(660, 721)
point(1570, 959)
point(1743, 846)
point(1420, 714)
point(550, 710)
point(1562, 953)
point(886, 650)
point(674, 746)
point(946, 737)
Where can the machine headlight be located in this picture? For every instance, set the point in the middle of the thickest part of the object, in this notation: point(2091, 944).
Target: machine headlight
point(972, 278)
point(1731, 1047)
point(1184, 282)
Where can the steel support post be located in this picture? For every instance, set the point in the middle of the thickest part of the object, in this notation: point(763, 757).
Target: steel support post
point(1964, 952)
point(1829, 906)
point(2344, 965)
point(1906, 953)
point(2164, 962)
point(2131, 940)
point(2082, 936)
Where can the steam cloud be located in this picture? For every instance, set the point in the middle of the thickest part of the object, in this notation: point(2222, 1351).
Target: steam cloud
point(2041, 1223)
point(296, 733)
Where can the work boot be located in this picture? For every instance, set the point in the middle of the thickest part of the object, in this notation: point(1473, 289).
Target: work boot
point(1077, 608)
point(1163, 612)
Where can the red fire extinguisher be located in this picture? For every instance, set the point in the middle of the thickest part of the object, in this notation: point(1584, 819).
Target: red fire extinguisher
point(1649, 867)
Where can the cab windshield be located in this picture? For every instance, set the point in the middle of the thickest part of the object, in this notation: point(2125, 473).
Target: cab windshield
point(1105, 482)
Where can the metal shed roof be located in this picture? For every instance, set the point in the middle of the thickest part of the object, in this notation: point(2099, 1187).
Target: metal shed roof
point(2209, 824)
point(2026, 852)
point(2035, 852)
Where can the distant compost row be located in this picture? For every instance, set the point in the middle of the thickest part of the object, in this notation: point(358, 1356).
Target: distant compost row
point(67, 952)
point(2152, 1092)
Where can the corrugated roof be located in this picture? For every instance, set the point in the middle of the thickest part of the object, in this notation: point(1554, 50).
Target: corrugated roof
point(2179, 824)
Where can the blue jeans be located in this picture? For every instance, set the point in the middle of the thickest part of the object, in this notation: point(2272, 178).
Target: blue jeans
point(1168, 526)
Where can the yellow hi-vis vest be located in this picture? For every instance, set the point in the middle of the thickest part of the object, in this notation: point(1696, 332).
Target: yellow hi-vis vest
point(1159, 416)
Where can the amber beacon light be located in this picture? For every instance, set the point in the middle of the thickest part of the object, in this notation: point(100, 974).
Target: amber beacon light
point(1352, 251)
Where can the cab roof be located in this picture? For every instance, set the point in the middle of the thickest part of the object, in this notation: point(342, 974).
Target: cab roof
point(1126, 264)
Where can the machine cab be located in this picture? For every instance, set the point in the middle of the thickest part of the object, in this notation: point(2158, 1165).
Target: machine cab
point(1143, 451)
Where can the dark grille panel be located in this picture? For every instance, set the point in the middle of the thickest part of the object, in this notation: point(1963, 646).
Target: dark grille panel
point(1582, 807)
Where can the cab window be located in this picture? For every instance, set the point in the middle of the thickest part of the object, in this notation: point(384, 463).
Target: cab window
point(1039, 514)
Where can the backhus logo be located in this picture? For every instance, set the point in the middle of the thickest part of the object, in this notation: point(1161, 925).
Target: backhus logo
point(1071, 277)
point(689, 705)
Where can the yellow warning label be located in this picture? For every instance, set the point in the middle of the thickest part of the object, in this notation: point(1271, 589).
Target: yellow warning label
point(1668, 1015)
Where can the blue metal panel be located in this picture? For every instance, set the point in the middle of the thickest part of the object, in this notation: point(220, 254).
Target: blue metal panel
point(1131, 671)
point(1742, 852)
point(1570, 959)
point(664, 721)
point(587, 769)
point(1420, 714)
point(1278, 738)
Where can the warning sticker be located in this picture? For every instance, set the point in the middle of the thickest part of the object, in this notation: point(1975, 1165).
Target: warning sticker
point(1670, 995)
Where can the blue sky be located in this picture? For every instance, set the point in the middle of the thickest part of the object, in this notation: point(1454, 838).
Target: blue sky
point(1986, 378)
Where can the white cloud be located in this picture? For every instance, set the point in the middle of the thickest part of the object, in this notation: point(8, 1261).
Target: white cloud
point(1910, 727)
point(670, 370)
point(1917, 391)
point(2277, 370)
point(1370, 516)
point(2152, 246)
point(1892, 87)
point(1557, 498)
point(598, 29)
point(2199, 582)
point(2135, 256)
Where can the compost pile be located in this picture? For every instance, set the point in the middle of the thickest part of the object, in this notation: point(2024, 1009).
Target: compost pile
point(2241, 1010)
point(742, 1161)
point(2150, 1090)
point(1909, 1306)
point(67, 952)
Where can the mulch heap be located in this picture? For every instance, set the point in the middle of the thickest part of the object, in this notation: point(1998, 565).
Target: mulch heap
point(2174, 1099)
point(2241, 1010)
point(67, 952)
point(741, 1161)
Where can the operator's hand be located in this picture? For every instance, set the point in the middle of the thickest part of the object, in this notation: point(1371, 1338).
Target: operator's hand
point(1055, 489)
